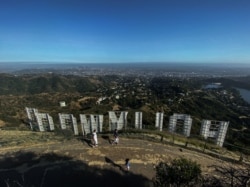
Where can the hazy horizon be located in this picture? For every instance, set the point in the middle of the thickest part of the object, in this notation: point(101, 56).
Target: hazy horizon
point(207, 68)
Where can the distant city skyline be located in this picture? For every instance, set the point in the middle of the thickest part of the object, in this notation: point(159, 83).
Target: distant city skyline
point(111, 31)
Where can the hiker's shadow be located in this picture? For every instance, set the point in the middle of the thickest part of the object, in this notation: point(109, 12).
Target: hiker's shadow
point(108, 160)
point(88, 141)
point(107, 138)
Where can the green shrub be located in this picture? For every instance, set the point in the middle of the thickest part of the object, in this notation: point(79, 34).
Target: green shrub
point(180, 172)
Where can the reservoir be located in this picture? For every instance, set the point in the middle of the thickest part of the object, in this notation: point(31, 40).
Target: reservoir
point(245, 94)
point(212, 86)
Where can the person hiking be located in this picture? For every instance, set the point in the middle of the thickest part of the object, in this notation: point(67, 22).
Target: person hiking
point(116, 137)
point(127, 164)
point(94, 136)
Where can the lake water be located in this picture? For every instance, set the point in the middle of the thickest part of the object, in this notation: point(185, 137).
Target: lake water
point(245, 94)
point(212, 86)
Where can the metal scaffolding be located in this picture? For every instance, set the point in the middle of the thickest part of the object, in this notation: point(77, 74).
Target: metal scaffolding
point(159, 120)
point(117, 120)
point(91, 122)
point(180, 123)
point(138, 120)
point(68, 121)
point(45, 122)
point(41, 121)
point(31, 113)
point(216, 130)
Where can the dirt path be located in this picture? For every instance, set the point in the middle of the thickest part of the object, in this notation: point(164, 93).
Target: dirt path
point(143, 154)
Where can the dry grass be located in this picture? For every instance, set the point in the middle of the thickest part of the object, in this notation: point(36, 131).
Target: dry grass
point(143, 154)
point(17, 140)
point(2, 123)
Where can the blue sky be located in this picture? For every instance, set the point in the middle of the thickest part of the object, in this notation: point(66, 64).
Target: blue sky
point(125, 31)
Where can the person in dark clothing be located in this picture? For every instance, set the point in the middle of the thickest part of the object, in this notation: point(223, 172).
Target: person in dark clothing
point(116, 137)
point(127, 164)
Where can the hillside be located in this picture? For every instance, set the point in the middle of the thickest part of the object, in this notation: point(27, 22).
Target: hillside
point(150, 95)
point(49, 159)
point(47, 83)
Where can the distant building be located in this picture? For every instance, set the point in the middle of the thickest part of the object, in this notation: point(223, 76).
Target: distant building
point(62, 103)
point(100, 100)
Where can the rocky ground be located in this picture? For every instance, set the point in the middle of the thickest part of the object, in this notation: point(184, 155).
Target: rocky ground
point(75, 162)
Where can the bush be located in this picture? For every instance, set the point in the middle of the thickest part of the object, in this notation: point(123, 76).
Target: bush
point(180, 172)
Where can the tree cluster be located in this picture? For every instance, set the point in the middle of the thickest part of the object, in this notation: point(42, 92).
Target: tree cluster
point(186, 173)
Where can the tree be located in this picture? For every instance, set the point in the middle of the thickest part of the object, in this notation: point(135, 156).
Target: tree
point(180, 172)
point(233, 175)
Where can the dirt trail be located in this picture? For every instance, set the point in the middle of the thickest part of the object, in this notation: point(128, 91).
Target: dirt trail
point(143, 154)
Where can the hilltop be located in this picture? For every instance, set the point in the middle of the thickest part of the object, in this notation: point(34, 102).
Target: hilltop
point(49, 159)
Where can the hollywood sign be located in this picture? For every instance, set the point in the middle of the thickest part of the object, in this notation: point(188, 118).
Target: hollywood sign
point(178, 123)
